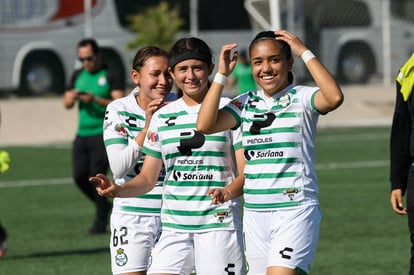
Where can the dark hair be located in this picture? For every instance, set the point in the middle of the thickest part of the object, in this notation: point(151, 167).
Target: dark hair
point(190, 48)
point(144, 54)
point(89, 41)
point(270, 35)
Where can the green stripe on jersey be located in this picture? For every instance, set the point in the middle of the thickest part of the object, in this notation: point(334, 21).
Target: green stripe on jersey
point(195, 183)
point(272, 145)
point(140, 209)
point(275, 130)
point(193, 213)
point(197, 154)
point(176, 127)
point(151, 153)
point(272, 175)
point(271, 205)
point(111, 141)
point(198, 168)
point(176, 114)
point(129, 114)
point(271, 191)
point(273, 161)
point(186, 198)
point(195, 227)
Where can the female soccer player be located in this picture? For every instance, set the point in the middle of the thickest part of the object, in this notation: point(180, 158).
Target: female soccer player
point(135, 222)
point(195, 163)
point(278, 123)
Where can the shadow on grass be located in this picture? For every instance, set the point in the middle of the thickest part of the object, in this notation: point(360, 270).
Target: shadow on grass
point(98, 250)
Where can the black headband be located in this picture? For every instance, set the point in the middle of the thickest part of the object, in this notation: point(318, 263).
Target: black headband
point(188, 55)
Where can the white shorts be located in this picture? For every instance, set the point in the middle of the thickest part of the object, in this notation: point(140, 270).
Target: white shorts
point(132, 239)
point(215, 252)
point(286, 238)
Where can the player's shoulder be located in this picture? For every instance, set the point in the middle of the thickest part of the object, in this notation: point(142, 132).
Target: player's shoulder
point(123, 102)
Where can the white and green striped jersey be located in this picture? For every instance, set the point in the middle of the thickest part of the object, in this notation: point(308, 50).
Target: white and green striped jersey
point(194, 163)
point(124, 120)
point(278, 138)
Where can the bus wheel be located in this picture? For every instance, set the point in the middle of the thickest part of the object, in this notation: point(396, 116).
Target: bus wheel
point(355, 64)
point(42, 74)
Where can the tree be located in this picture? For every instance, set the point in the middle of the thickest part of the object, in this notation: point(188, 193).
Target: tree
point(156, 25)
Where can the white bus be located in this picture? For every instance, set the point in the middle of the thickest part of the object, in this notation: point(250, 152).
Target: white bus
point(38, 38)
point(355, 39)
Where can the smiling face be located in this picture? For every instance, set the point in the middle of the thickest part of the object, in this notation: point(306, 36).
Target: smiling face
point(270, 66)
point(191, 76)
point(153, 78)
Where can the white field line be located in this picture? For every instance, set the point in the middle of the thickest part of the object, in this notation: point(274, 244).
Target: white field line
point(352, 137)
point(322, 166)
point(37, 182)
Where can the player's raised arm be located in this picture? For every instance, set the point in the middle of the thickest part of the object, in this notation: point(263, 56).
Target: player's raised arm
point(139, 185)
point(210, 118)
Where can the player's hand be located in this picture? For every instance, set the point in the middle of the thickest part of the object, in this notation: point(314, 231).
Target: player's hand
point(294, 42)
point(86, 97)
point(104, 186)
point(218, 195)
point(397, 202)
point(227, 60)
point(152, 107)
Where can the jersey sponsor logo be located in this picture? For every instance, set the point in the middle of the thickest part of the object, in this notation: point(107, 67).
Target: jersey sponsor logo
point(121, 258)
point(252, 102)
point(284, 101)
point(170, 121)
point(259, 140)
point(262, 121)
point(187, 144)
point(152, 137)
point(190, 161)
point(249, 154)
point(131, 121)
point(237, 103)
point(284, 253)
point(102, 80)
point(121, 129)
point(177, 176)
point(228, 269)
point(221, 215)
point(291, 193)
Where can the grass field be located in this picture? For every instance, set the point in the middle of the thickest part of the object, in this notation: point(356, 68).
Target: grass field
point(47, 217)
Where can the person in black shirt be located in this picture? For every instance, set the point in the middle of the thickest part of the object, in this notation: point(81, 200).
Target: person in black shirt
point(92, 88)
point(402, 149)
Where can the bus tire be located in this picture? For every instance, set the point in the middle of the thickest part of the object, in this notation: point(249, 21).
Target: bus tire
point(356, 64)
point(42, 73)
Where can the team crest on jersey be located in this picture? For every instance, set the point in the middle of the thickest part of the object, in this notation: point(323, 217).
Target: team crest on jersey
point(237, 103)
point(102, 80)
point(221, 215)
point(284, 101)
point(121, 258)
point(121, 129)
point(152, 137)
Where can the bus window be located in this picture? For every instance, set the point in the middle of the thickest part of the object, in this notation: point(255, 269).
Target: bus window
point(403, 9)
point(213, 14)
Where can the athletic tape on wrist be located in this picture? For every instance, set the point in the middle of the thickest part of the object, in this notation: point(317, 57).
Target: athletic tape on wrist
point(307, 55)
point(220, 78)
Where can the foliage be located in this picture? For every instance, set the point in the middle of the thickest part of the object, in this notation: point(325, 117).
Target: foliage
point(156, 25)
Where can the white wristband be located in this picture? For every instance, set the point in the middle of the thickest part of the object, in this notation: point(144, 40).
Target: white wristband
point(307, 55)
point(220, 79)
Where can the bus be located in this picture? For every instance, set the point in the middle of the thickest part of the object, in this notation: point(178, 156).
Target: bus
point(38, 38)
point(354, 39)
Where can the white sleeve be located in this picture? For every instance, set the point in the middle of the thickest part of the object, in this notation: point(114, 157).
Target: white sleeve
point(122, 150)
